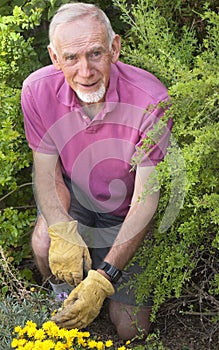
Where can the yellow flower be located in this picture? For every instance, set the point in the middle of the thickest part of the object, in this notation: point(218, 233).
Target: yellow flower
point(100, 345)
point(70, 335)
point(21, 342)
point(128, 342)
point(29, 346)
point(40, 334)
point(51, 337)
point(73, 332)
point(14, 343)
point(50, 328)
point(44, 345)
point(54, 312)
point(31, 332)
point(109, 343)
point(64, 334)
point(30, 329)
point(38, 345)
point(85, 334)
point(32, 289)
point(18, 329)
point(61, 346)
point(30, 323)
point(81, 341)
point(92, 344)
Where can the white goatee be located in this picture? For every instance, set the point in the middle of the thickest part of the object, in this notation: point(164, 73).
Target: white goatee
point(92, 97)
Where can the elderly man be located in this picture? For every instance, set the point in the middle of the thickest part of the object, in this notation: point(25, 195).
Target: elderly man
point(85, 117)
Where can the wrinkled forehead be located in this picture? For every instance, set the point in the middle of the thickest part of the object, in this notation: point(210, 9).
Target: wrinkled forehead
point(79, 33)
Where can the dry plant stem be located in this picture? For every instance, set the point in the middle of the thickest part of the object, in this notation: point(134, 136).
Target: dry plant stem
point(206, 296)
point(9, 276)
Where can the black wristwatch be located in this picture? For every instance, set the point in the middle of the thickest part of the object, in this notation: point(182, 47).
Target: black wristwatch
point(111, 271)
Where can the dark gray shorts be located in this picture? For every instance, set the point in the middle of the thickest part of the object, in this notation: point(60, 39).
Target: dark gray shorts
point(99, 231)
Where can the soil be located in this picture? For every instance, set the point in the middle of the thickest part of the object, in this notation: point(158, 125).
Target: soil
point(176, 332)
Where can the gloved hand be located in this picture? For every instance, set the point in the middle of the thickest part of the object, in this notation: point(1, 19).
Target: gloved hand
point(68, 253)
point(84, 302)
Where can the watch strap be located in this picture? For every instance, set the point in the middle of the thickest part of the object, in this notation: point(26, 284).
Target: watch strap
point(114, 273)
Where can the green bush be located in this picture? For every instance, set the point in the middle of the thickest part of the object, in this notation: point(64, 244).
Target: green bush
point(184, 252)
point(17, 60)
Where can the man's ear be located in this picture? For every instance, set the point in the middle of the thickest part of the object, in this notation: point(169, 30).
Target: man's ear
point(54, 57)
point(116, 48)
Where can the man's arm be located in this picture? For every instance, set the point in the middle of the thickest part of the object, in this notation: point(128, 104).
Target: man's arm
point(68, 254)
point(52, 195)
point(136, 223)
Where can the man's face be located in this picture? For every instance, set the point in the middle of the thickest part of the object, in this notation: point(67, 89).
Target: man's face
point(83, 54)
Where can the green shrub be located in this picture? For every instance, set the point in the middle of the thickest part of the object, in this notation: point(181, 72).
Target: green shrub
point(17, 60)
point(184, 252)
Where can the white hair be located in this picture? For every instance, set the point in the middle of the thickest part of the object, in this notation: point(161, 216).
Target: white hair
point(69, 12)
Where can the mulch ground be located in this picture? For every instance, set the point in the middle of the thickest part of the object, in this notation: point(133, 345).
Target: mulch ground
point(177, 332)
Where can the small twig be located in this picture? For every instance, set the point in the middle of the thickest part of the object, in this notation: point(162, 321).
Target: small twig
point(197, 313)
point(206, 295)
point(25, 207)
point(20, 186)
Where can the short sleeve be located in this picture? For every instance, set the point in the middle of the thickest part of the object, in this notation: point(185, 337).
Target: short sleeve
point(155, 137)
point(37, 136)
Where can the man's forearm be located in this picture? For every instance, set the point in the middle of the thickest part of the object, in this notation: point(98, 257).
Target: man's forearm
point(52, 195)
point(132, 232)
point(137, 222)
point(121, 254)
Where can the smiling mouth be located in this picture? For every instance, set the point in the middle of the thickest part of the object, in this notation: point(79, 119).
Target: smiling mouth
point(88, 85)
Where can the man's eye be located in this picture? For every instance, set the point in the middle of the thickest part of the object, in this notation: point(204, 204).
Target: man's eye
point(70, 58)
point(96, 54)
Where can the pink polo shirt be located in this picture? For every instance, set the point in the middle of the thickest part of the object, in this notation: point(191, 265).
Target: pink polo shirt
point(96, 154)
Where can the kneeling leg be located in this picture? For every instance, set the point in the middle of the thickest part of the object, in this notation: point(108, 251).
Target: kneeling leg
point(129, 321)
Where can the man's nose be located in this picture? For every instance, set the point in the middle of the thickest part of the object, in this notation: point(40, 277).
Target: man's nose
point(85, 68)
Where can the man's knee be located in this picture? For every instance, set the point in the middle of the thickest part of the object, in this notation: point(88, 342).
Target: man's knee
point(128, 321)
point(40, 240)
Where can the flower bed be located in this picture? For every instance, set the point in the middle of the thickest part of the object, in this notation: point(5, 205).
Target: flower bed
point(51, 337)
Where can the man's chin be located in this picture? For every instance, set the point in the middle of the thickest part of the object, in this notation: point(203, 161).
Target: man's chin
point(92, 97)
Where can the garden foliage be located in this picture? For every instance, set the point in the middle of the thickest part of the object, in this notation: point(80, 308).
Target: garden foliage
point(17, 59)
point(184, 252)
point(181, 48)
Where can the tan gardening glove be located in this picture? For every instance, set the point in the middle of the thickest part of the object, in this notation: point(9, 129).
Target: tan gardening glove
point(69, 256)
point(84, 302)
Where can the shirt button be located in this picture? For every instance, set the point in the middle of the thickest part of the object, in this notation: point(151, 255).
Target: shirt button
point(86, 119)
